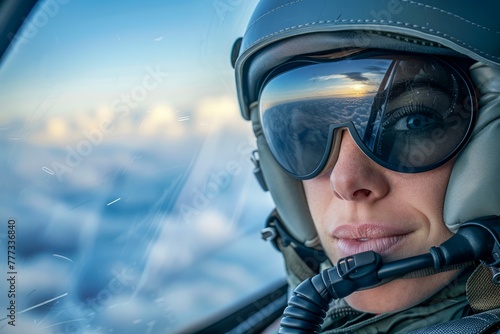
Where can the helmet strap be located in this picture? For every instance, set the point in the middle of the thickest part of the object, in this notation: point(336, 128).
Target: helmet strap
point(300, 261)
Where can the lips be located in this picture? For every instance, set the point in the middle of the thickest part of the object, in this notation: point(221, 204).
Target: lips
point(353, 239)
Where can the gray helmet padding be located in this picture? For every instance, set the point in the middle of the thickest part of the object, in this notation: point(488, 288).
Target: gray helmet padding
point(474, 186)
point(287, 192)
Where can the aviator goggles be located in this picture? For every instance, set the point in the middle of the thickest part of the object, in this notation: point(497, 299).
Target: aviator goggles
point(407, 113)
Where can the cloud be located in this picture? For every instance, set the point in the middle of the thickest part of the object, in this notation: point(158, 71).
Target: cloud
point(213, 227)
point(161, 121)
point(42, 279)
point(70, 218)
point(57, 128)
point(216, 113)
point(356, 76)
point(328, 77)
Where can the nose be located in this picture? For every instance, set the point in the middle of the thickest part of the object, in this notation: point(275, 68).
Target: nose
point(355, 177)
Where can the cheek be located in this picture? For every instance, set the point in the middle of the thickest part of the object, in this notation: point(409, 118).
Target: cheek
point(323, 206)
point(422, 197)
point(319, 196)
point(426, 191)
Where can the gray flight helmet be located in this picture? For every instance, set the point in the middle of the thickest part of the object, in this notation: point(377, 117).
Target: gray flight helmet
point(282, 29)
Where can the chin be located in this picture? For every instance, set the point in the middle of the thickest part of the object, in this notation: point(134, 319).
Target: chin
point(399, 294)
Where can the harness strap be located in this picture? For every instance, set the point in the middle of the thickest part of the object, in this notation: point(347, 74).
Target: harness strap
point(481, 323)
point(482, 293)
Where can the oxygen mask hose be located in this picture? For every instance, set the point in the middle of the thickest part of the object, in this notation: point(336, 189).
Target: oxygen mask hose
point(475, 240)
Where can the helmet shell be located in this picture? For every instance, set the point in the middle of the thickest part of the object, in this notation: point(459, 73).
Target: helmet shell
point(462, 26)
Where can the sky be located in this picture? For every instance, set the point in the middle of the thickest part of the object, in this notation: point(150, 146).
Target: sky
point(89, 41)
point(344, 79)
point(125, 160)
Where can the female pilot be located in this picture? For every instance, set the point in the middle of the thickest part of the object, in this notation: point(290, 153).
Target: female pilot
point(377, 130)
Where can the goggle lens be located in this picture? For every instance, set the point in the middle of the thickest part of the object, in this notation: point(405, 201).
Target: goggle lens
point(407, 113)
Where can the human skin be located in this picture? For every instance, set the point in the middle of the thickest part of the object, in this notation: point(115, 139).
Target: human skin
point(358, 205)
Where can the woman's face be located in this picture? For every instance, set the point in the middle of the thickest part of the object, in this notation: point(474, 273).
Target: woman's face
point(358, 205)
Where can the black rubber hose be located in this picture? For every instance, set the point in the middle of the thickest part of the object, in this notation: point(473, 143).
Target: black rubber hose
point(307, 307)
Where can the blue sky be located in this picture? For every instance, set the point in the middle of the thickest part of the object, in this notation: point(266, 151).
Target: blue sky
point(86, 41)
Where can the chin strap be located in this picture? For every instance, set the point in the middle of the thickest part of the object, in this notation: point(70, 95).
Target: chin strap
point(301, 262)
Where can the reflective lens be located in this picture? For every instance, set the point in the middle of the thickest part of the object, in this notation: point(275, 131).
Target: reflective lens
point(407, 113)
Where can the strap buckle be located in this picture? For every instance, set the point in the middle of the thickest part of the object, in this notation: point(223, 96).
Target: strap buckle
point(257, 171)
point(268, 233)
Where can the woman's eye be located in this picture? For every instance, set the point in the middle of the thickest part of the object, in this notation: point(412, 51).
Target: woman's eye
point(415, 122)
